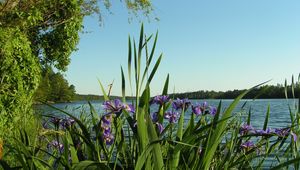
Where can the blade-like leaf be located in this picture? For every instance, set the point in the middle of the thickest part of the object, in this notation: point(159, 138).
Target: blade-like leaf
point(165, 90)
point(154, 69)
point(156, 151)
point(129, 61)
point(249, 116)
point(293, 87)
point(103, 91)
point(286, 164)
point(267, 118)
point(285, 89)
point(95, 117)
point(153, 48)
point(141, 42)
point(123, 85)
point(89, 165)
point(217, 134)
point(143, 157)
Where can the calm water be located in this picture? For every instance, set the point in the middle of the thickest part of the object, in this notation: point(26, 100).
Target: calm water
point(279, 112)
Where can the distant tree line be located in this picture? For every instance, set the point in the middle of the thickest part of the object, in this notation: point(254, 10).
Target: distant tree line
point(90, 97)
point(263, 92)
point(54, 87)
point(87, 97)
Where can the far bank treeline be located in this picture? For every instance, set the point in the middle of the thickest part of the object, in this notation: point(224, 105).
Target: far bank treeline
point(263, 92)
point(54, 88)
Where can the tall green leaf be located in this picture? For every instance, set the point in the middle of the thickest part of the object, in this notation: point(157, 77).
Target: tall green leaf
point(129, 61)
point(156, 150)
point(165, 90)
point(293, 87)
point(286, 164)
point(176, 155)
point(142, 129)
point(267, 118)
point(154, 68)
point(285, 89)
point(249, 116)
point(123, 85)
point(103, 91)
point(91, 165)
point(153, 48)
point(216, 136)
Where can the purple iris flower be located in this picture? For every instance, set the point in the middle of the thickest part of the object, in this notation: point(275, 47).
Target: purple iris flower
point(294, 136)
point(268, 131)
point(55, 120)
point(212, 110)
point(55, 144)
point(181, 104)
point(283, 132)
point(108, 138)
point(204, 105)
point(160, 127)
point(204, 109)
point(172, 116)
point(107, 119)
point(245, 128)
point(196, 110)
point(154, 117)
point(114, 106)
point(129, 108)
point(247, 145)
point(68, 122)
point(160, 99)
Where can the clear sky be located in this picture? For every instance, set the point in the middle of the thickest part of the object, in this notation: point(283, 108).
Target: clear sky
point(206, 45)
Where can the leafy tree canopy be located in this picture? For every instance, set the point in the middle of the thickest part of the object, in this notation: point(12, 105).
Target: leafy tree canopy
point(36, 34)
point(52, 27)
point(54, 88)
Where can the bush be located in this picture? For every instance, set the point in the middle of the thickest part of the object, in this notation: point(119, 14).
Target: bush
point(19, 77)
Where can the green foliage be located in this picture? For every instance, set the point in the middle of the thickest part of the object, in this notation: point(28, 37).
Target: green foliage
point(33, 36)
point(19, 77)
point(54, 88)
point(262, 92)
point(52, 27)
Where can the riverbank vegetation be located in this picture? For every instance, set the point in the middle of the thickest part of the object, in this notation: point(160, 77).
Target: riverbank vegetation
point(54, 88)
point(262, 92)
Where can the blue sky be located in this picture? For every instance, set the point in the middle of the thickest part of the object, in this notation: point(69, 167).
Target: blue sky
point(206, 45)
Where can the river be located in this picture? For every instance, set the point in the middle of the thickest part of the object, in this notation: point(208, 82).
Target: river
point(279, 109)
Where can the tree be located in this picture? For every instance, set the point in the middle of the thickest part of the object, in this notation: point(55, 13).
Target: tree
point(36, 34)
point(54, 88)
point(19, 76)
